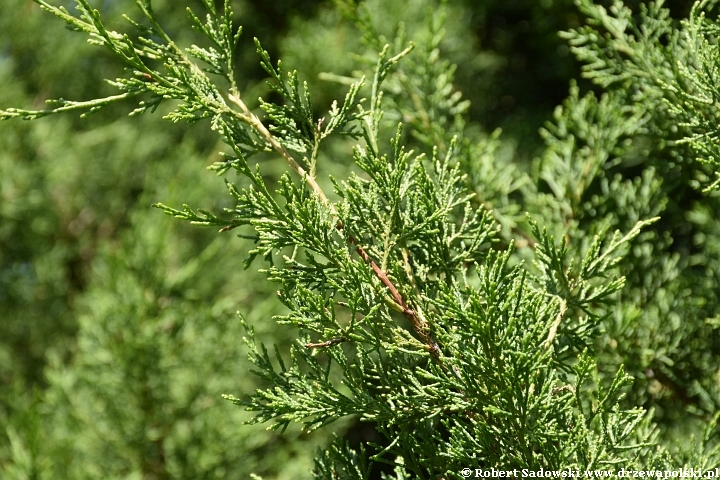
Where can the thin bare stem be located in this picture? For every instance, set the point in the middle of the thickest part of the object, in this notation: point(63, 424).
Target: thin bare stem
point(66, 107)
point(328, 343)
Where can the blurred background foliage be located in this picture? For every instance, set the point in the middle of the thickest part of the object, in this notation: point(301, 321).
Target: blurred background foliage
point(118, 330)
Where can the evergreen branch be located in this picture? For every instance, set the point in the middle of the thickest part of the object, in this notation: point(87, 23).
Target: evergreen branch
point(189, 84)
point(419, 324)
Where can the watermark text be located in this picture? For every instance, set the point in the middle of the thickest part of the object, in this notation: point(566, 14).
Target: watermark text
point(575, 473)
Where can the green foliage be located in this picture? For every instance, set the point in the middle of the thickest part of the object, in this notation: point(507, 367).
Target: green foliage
point(161, 363)
point(663, 329)
point(67, 196)
point(670, 69)
point(417, 298)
